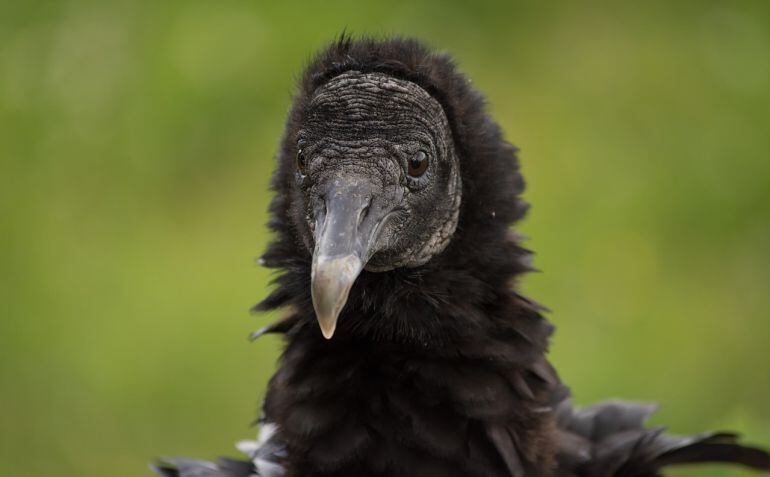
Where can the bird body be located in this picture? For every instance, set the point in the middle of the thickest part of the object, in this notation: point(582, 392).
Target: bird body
point(408, 349)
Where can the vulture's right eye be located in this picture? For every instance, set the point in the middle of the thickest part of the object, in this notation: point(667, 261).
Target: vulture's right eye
point(418, 164)
point(301, 162)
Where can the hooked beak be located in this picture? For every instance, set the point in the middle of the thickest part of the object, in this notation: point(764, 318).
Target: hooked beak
point(344, 236)
point(331, 280)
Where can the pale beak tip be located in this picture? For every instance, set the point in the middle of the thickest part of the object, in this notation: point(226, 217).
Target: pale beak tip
point(328, 332)
point(331, 280)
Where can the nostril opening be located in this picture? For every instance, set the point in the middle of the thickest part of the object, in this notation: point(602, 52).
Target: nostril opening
point(365, 211)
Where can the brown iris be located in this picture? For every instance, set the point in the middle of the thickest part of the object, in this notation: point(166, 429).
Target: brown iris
point(418, 164)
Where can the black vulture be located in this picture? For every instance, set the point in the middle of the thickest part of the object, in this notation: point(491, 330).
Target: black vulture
point(409, 351)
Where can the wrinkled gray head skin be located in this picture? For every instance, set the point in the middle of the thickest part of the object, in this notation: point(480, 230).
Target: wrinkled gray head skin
point(371, 201)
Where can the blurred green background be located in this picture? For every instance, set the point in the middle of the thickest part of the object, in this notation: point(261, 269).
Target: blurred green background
point(136, 143)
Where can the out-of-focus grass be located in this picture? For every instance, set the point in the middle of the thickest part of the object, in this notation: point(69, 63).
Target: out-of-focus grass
point(136, 142)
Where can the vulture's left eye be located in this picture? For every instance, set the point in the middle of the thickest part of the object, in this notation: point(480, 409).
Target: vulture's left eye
point(418, 164)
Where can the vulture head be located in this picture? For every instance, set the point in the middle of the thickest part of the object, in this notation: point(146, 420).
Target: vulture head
point(378, 182)
point(390, 178)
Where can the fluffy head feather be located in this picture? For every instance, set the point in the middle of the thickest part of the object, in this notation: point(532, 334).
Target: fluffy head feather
point(482, 256)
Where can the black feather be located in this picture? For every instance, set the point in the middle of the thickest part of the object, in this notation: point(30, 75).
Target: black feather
point(180, 467)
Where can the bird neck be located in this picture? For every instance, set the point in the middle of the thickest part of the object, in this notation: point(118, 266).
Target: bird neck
point(361, 406)
point(425, 363)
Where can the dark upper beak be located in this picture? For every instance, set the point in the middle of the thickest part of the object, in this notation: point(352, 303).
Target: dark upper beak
point(344, 242)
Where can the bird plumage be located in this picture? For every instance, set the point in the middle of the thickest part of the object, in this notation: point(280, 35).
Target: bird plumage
point(436, 369)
